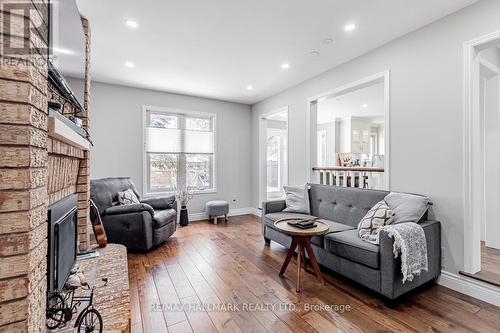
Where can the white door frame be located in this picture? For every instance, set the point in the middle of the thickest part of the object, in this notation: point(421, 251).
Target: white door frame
point(311, 144)
point(263, 151)
point(473, 185)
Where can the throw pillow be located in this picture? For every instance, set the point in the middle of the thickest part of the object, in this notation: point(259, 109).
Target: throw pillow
point(127, 197)
point(297, 199)
point(377, 217)
point(407, 207)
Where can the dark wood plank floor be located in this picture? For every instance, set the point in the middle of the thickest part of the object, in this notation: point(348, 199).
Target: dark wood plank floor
point(228, 265)
point(490, 265)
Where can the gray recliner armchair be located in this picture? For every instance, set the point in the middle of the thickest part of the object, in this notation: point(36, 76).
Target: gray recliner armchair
point(138, 226)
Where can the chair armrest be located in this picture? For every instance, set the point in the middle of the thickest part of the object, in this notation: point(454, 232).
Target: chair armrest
point(134, 230)
point(161, 203)
point(274, 206)
point(127, 209)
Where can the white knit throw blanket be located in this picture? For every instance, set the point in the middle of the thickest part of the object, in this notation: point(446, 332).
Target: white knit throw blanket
point(409, 240)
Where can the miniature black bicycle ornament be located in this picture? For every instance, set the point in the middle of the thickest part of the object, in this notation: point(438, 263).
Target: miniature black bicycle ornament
point(63, 304)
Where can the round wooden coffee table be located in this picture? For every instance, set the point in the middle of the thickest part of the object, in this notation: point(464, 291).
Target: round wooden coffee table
point(301, 238)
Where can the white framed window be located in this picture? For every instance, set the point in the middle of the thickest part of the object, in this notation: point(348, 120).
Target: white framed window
point(179, 149)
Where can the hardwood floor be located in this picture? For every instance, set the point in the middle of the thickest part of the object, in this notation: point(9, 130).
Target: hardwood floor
point(490, 266)
point(229, 265)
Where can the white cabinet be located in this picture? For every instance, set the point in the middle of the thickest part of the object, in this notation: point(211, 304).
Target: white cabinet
point(360, 136)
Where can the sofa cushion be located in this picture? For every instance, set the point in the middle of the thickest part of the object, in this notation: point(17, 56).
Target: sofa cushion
point(348, 245)
point(297, 199)
point(407, 207)
point(337, 227)
point(342, 204)
point(370, 226)
point(273, 217)
point(316, 240)
point(127, 197)
point(270, 218)
point(164, 217)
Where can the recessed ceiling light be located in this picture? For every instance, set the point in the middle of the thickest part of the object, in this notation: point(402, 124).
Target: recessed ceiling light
point(285, 66)
point(350, 27)
point(249, 87)
point(129, 64)
point(314, 54)
point(364, 105)
point(132, 24)
point(327, 41)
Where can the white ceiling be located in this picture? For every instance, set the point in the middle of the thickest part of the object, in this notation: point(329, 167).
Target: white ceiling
point(351, 105)
point(216, 48)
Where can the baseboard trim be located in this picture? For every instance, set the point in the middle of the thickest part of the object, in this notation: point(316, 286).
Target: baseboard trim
point(232, 212)
point(471, 287)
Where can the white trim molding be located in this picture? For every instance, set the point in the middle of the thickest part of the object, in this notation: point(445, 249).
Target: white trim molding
point(168, 110)
point(473, 185)
point(232, 212)
point(262, 150)
point(471, 287)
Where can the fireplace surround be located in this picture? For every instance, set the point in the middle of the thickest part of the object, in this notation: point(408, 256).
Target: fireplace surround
point(36, 170)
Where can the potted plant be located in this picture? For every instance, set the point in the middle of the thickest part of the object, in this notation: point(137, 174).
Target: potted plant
point(184, 195)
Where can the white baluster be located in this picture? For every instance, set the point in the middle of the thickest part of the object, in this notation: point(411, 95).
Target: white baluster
point(344, 174)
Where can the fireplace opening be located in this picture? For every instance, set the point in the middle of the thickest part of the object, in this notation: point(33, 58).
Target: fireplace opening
point(62, 239)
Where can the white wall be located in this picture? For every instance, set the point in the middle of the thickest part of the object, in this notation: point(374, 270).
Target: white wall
point(332, 141)
point(116, 128)
point(426, 114)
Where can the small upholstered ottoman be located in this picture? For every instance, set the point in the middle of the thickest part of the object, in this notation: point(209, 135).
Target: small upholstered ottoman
point(217, 208)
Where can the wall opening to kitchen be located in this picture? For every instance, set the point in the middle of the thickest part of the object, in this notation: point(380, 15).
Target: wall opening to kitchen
point(349, 135)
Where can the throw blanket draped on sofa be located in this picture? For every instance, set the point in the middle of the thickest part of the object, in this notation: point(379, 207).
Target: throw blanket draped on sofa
point(409, 240)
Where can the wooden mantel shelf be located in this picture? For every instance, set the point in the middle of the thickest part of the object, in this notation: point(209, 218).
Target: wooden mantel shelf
point(62, 132)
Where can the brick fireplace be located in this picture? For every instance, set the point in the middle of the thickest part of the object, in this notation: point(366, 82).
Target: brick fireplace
point(36, 169)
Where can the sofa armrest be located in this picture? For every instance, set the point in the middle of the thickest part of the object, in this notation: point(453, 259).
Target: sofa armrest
point(274, 206)
point(390, 268)
point(128, 209)
point(161, 203)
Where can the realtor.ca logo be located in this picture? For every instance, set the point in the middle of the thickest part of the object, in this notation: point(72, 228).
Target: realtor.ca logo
point(24, 27)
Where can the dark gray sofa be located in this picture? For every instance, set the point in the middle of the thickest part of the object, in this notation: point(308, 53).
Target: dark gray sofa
point(138, 226)
point(342, 251)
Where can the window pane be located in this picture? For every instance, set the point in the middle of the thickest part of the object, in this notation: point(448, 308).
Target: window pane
point(163, 121)
point(199, 170)
point(198, 124)
point(163, 172)
point(273, 165)
point(164, 140)
point(198, 142)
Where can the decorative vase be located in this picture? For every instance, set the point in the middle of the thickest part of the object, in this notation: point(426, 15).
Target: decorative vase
point(184, 220)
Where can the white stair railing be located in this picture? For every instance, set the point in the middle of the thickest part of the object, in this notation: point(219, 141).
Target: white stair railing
point(347, 176)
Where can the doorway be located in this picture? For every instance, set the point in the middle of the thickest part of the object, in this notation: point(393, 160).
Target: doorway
point(349, 134)
point(482, 159)
point(273, 156)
